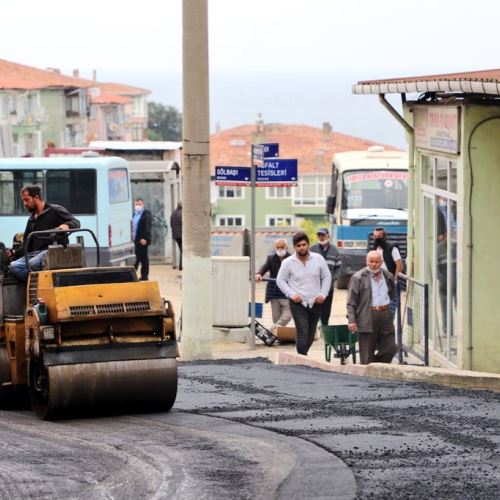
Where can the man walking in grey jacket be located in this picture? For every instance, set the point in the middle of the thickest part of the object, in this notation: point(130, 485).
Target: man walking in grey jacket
point(368, 299)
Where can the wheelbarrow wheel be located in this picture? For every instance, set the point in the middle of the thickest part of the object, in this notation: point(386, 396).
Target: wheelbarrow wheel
point(343, 353)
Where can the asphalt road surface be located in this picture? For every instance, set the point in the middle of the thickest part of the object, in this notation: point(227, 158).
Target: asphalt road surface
point(250, 429)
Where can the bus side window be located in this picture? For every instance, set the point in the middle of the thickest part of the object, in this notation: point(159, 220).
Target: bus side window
point(74, 189)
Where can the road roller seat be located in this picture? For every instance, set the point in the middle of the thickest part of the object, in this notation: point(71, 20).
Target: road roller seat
point(64, 257)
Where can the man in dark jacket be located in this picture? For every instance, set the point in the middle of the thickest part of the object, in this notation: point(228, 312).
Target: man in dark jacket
point(333, 260)
point(176, 225)
point(44, 216)
point(368, 310)
point(391, 258)
point(141, 224)
point(280, 305)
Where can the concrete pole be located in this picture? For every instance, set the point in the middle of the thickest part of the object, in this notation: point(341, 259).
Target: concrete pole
point(196, 341)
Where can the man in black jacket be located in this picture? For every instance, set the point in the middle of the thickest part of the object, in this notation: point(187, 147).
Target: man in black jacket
point(44, 216)
point(142, 237)
point(391, 258)
point(280, 305)
point(333, 260)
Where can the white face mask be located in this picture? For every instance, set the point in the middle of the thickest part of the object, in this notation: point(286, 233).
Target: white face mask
point(280, 253)
point(324, 243)
point(138, 208)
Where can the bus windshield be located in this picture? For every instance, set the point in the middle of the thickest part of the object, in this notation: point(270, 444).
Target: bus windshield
point(375, 189)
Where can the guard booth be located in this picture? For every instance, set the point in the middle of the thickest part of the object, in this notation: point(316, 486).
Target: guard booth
point(453, 128)
point(158, 184)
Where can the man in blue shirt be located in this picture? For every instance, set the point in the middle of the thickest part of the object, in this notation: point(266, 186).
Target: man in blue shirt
point(141, 229)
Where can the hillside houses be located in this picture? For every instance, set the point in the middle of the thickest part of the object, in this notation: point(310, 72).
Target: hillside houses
point(40, 107)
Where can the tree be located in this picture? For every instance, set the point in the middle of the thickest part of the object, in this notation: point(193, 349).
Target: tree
point(164, 122)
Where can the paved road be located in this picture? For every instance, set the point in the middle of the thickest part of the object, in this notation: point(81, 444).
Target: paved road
point(250, 429)
point(400, 440)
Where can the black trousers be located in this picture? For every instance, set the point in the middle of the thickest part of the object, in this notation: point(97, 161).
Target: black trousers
point(326, 308)
point(142, 258)
point(179, 244)
point(306, 321)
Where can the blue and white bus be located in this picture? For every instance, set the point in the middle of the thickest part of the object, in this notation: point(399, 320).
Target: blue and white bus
point(369, 189)
point(96, 190)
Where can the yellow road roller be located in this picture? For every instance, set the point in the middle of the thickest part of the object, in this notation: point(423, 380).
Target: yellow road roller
point(86, 340)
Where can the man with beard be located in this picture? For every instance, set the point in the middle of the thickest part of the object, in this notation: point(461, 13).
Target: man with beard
point(44, 216)
point(368, 311)
point(305, 279)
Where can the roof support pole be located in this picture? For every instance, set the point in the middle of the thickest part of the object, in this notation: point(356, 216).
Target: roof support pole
point(411, 177)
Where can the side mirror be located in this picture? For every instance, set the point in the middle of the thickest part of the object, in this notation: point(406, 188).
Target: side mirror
point(330, 204)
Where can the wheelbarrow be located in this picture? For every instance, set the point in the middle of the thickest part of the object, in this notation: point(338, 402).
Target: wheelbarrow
point(341, 340)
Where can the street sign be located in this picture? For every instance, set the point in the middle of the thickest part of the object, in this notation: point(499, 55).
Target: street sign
point(232, 176)
point(271, 150)
point(257, 155)
point(277, 172)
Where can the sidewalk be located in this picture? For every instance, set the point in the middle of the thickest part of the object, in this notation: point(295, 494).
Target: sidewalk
point(170, 282)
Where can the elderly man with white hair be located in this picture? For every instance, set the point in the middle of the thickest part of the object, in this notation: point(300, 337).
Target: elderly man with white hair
point(368, 299)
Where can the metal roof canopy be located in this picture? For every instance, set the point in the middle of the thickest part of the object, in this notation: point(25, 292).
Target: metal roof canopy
point(476, 82)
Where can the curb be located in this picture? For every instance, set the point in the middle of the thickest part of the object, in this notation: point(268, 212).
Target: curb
point(452, 378)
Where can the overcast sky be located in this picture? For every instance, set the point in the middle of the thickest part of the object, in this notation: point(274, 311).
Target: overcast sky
point(303, 49)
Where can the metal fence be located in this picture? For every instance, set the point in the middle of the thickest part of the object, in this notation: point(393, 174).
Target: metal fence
point(413, 318)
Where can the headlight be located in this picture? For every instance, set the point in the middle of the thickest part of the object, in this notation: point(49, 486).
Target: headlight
point(361, 244)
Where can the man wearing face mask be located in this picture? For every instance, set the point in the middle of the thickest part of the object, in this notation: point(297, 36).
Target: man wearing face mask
point(391, 258)
point(280, 307)
point(333, 260)
point(141, 233)
point(368, 299)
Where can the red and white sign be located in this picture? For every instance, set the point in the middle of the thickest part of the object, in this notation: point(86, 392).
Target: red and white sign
point(374, 175)
point(437, 128)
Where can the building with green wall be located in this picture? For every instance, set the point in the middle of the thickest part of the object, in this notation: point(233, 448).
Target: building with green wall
point(453, 124)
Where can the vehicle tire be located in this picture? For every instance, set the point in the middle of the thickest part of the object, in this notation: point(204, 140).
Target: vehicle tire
point(343, 282)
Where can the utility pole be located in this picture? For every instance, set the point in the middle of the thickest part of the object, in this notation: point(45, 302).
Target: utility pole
point(196, 340)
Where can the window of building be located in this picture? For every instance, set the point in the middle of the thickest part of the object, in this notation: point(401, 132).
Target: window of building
point(231, 220)
point(312, 190)
point(231, 192)
point(137, 133)
point(139, 106)
point(278, 220)
point(278, 192)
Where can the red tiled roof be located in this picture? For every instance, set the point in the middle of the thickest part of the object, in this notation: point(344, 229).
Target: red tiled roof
point(118, 88)
point(104, 98)
point(19, 76)
point(232, 147)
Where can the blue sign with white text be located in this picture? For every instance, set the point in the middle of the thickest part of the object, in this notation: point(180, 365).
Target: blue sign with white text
point(228, 175)
point(277, 171)
point(271, 150)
